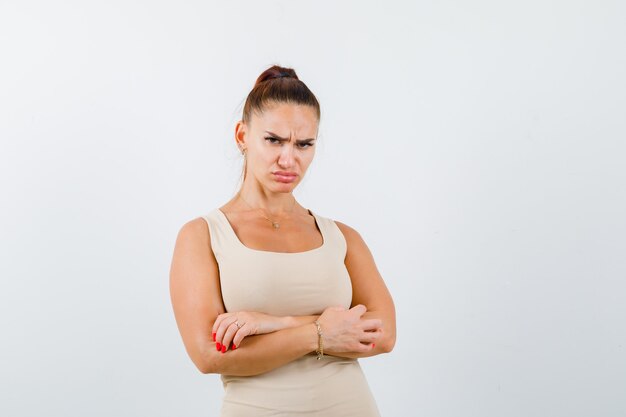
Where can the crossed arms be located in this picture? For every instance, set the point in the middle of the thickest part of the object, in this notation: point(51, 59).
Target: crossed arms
point(265, 342)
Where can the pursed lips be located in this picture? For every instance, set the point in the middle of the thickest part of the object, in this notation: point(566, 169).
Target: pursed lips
point(284, 176)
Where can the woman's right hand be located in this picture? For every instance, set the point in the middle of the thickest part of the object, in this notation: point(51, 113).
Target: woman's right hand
point(229, 329)
point(346, 331)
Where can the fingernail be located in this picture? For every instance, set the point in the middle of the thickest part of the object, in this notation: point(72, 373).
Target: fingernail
point(218, 346)
point(214, 337)
point(234, 347)
point(223, 348)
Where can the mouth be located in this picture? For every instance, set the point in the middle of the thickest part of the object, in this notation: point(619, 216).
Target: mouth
point(285, 177)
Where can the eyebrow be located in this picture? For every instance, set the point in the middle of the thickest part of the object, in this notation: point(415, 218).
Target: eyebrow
point(286, 140)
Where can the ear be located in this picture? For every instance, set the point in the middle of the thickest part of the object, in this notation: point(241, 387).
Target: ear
point(240, 135)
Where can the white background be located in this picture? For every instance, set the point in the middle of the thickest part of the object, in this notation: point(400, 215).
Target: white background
point(477, 146)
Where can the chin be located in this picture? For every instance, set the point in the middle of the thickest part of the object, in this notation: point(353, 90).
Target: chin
point(286, 188)
point(281, 187)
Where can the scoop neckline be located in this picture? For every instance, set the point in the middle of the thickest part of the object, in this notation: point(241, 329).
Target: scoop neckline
point(240, 243)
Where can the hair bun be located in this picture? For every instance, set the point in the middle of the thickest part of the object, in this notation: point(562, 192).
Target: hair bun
point(278, 85)
point(276, 71)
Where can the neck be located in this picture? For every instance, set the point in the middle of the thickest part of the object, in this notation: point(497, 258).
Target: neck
point(274, 203)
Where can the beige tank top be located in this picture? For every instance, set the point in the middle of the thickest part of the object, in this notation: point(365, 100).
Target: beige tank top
point(300, 283)
point(280, 283)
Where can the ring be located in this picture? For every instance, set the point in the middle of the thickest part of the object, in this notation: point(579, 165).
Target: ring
point(238, 325)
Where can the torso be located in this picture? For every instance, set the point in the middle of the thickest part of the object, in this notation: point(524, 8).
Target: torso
point(300, 272)
point(297, 233)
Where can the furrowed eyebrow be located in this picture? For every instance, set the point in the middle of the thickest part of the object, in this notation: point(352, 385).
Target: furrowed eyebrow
point(285, 140)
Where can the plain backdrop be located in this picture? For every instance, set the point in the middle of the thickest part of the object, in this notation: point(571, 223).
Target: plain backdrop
point(477, 146)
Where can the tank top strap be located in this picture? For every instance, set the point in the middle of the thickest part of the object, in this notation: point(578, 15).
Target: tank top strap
point(222, 238)
point(336, 240)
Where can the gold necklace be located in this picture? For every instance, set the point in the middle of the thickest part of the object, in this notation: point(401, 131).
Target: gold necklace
point(275, 224)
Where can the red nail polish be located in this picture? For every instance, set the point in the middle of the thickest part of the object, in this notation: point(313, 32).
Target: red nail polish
point(214, 337)
point(218, 346)
point(223, 348)
point(234, 347)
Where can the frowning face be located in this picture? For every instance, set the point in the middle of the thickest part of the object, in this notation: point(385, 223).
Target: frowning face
point(280, 145)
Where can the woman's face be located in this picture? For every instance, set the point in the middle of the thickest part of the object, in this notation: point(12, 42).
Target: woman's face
point(280, 145)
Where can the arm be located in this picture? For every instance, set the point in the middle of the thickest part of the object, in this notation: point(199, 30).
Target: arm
point(344, 330)
point(197, 301)
point(229, 329)
point(369, 289)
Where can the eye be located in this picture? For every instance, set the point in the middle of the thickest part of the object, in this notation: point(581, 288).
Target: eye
point(305, 145)
point(272, 139)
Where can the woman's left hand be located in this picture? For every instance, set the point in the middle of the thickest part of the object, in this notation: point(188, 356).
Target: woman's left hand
point(233, 327)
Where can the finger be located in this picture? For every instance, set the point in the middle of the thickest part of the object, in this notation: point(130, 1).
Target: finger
point(221, 330)
point(369, 346)
point(218, 321)
point(359, 309)
point(245, 330)
point(362, 347)
point(369, 337)
point(215, 326)
point(371, 324)
point(228, 336)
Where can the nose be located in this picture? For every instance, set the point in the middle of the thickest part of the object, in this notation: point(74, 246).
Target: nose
point(286, 158)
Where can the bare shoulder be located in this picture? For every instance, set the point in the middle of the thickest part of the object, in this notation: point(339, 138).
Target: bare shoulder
point(195, 226)
point(353, 238)
point(195, 231)
point(345, 229)
point(193, 259)
point(192, 249)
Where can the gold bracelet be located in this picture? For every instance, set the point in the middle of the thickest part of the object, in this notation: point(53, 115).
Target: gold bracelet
point(320, 341)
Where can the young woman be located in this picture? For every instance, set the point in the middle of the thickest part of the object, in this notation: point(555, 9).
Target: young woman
point(276, 298)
